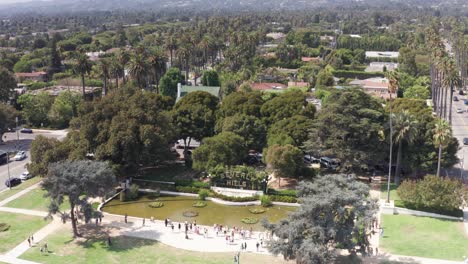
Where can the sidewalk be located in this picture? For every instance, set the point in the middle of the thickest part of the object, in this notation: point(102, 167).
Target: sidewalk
point(16, 195)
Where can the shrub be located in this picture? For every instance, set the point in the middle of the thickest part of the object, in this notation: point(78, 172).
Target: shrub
point(283, 198)
point(199, 204)
point(199, 184)
point(249, 220)
point(282, 192)
point(132, 193)
point(432, 193)
point(202, 194)
point(156, 204)
point(4, 227)
point(265, 201)
point(187, 189)
point(257, 210)
point(235, 199)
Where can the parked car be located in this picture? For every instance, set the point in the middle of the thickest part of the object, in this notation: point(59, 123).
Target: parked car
point(329, 163)
point(461, 92)
point(459, 110)
point(308, 159)
point(455, 98)
point(25, 176)
point(3, 157)
point(26, 130)
point(21, 155)
point(12, 182)
point(465, 102)
point(465, 141)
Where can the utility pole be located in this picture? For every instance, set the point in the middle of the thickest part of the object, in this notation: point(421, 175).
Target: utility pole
point(17, 134)
point(8, 166)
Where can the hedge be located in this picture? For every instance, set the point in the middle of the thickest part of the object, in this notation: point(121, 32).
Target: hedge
point(283, 199)
point(234, 199)
point(272, 191)
point(356, 74)
point(187, 189)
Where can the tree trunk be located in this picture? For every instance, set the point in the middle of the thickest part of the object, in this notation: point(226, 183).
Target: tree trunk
point(83, 85)
point(72, 215)
point(450, 108)
point(398, 163)
point(438, 161)
point(104, 90)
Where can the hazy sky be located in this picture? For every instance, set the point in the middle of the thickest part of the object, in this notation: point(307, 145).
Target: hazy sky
point(13, 1)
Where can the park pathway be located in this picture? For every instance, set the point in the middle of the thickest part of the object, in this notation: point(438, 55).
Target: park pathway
point(16, 195)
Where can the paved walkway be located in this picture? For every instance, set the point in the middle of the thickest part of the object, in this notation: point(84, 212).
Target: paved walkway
point(18, 194)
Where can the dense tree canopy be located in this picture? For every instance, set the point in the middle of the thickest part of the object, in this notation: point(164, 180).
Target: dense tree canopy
point(297, 127)
point(336, 212)
point(224, 149)
point(248, 103)
point(168, 83)
point(250, 128)
point(36, 107)
point(286, 105)
point(350, 127)
point(127, 127)
point(7, 118)
point(7, 84)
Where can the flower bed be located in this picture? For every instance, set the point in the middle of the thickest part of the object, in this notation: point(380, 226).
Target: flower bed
point(156, 204)
point(249, 220)
point(199, 204)
point(257, 210)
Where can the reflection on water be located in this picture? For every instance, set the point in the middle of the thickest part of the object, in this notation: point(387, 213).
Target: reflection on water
point(213, 213)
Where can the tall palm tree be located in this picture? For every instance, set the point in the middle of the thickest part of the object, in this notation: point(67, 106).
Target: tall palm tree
point(104, 67)
point(405, 129)
point(157, 61)
point(123, 57)
point(116, 70)
point(171, 45)
point(138, 68)
point(82, 67)
point(442, 134)
point(451, 80)
point(392, 77)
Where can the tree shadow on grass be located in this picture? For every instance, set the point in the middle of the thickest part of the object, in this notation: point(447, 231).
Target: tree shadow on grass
point(384, 258)
point(97, 237)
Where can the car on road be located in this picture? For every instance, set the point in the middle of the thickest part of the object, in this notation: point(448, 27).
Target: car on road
point(459, 110)
point(21, 155)
point(12, 182)
point(308, 159)
point(465, 141)
point(3, 157)
point(455, 98)
point(465, 101)
point(461, 92)
point(25, 176)
point(26, 130)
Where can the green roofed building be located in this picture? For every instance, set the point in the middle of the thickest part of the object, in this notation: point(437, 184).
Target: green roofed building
point(183, 90)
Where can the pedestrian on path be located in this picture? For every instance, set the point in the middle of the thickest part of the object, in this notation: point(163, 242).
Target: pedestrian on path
point(258, 245)
point(32, 239)
point(143, 221)
point(126, 218)
point(381, 231)
point(29, 241)
point(46, 249)
point(165, 222)
point(97, 221)
point(109, 242)
point(172, 227)
point(179, 227)
point(245, 245)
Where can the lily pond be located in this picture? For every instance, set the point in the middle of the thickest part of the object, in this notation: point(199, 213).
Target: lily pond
point(213, 213)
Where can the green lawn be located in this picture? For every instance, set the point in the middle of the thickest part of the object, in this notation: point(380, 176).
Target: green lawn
point(424, 237)
point(393, 191)
point(21, 226)
point(129, 250)
point(35, 200)
point(18, 188)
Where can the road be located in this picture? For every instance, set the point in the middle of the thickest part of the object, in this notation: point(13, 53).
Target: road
point(460, 131)
point(11, 144)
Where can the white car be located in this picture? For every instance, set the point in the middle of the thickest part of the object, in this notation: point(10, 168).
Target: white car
point(25, 176)
point(21, 155)
point(459, 110)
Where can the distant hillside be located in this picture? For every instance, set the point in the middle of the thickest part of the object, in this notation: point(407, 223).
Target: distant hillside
point(66, 6)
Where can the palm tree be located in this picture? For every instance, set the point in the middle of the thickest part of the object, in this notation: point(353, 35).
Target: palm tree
point(392, 77)
point(171, 45)
point(104, 72)
point(451, 80)
point(138, 68)
point(405, 130)
point(442, 134)
point(116, 70)
point(123, 57)
point(157, 61)
point(82, 67)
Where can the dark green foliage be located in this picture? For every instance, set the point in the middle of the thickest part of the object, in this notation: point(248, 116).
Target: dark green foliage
point(407, 61)
point(78, 181)
point(250, 128)
point(7, 118)
point(133, 192)
point(168, 83)
point(224, 149)
point(129, 128)
point(242, 103)
point(202, 194)
point(283, 106)
point(286, 161)
point(283, 198)
point(296, 127)
point(45, 151)
point(194, 116)
point(335, 212)
point(292, 193)
point(210, 78)
point(265, 201)
point(349, 127)
point(7, 84)
point(434, 193)
point(36, 108)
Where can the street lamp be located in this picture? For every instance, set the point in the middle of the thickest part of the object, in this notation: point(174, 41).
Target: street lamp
point(8, 166)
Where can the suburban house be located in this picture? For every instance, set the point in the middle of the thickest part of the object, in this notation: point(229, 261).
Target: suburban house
point(374, 86)
point(56, 90)
point(183, 90)
point(278, 36)
point(31, 76)
point(264, 86)
point(379, 66)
